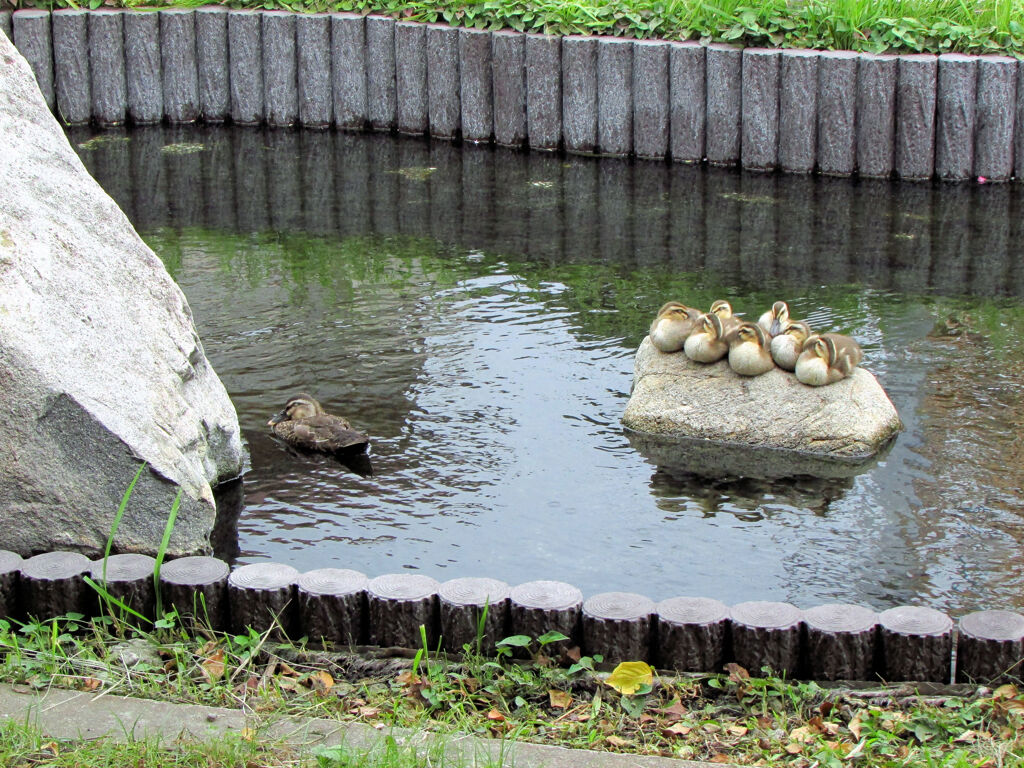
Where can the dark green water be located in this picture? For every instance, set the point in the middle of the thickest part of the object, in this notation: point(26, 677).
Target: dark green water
point(476, 312)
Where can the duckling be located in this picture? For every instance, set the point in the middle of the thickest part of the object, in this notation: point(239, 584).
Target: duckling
point(723, 309)
point(827, 358)
point(775, 319)
point(303, 424)
point(748, 350)
point(707, 343)
point(786, 347)
point(675, 321)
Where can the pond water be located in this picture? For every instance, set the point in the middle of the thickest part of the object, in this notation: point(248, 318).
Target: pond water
point(476, 311)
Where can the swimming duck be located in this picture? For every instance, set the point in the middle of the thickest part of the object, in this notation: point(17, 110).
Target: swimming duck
point(749, 354)
point(675, 321)
point(827, 358)
point(775, 319)
point(707, 343)
point(303, 424)
point(786, 347)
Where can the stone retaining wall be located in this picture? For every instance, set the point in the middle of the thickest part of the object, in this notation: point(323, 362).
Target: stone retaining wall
point(686, 634)
point(840, 113)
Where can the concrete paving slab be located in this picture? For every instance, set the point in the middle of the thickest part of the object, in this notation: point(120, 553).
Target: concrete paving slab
point(73, 715)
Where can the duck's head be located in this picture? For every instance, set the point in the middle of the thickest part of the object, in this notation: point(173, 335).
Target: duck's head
point(821, 347)
point(711, 325)
point(749, 333)
point(675, 310)
point(779, 314)
point(721, 308)
point(301, 406)
point(798, 330)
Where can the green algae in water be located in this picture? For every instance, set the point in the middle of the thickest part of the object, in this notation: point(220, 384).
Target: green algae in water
point(415, 174)
point(183, 148)
point(98, 141)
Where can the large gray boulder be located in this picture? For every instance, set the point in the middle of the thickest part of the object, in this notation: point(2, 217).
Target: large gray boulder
point(674, 397)
point(100, 365)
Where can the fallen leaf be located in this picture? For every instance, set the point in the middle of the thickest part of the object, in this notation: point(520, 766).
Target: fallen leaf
point(676, 729)
point(616, 741)
point(495, 715)
point(967, 737)
point(711, 728)
point(674, 710)
point(368, 711)
point(212, 667)
point(1007, 691)
point(574, 654)
point(737, 730)
point(90, 684)
point(802, 735)
point(322, 681)
point(720, 757)
point(559, 699)
point(407, 677)
point(794, 749)
point(855, 726)
point(630, 676)
point(737, 674)
point(51, 747)
point(249, 734)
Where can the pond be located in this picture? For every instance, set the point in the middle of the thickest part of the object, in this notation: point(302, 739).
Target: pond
point(476, 311)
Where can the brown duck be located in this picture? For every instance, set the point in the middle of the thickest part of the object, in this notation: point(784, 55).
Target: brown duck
point(303, 424)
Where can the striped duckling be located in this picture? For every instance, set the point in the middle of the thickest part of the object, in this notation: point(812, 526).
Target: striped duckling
point(774, 320)
point(674, 322)
point(708, 343)
point(786, 347)
point(827, 358)
point(749, 353)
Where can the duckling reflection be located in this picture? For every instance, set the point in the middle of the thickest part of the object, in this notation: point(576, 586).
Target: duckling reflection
point(827, 358)
point(674, 323)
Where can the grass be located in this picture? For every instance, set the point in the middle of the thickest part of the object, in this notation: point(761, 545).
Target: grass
point(729, 717)
point(966, 26)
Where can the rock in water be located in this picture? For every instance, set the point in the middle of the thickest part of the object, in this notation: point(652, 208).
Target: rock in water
point(676, 397)
point(100, 364)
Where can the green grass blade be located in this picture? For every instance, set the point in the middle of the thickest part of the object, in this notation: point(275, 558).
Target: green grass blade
point(119, 514)
point(164, 542)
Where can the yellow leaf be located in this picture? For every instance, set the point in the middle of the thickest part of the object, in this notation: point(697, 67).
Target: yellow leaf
point(248, 734)
point(559, 699)
point(630, 676)
point(322, 681)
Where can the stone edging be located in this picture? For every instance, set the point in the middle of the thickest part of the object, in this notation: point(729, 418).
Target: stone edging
point(915, 117)
point(685, 634)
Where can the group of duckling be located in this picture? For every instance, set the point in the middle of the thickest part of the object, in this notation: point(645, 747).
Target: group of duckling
point(755, 348)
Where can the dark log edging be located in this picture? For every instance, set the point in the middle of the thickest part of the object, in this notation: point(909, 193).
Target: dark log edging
point(684, 634)
point(915, 116)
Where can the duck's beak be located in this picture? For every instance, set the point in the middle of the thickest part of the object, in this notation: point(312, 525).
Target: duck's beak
point(283, 415)
point(776, 327)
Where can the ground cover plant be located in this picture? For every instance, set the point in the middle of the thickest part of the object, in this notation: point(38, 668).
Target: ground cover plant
point(549, 698)
point(987, 26)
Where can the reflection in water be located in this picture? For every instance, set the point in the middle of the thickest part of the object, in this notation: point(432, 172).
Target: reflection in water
point(476, 311)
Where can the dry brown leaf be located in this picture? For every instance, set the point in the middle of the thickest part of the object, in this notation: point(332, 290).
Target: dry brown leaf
point(1004, 692)
point(285, 669)
point(51, 747)
point(855, 726)
point(676, 729)
point(495, 715)
point(737, 730)
point(737, 674)
point(90, 684)
point(711, 728)
point(407, 677)
point(368, 711)
point(720, 757)
point(967, 737)
point(574, 654)
point(322, 681)
point(249, 734)
point(212, 667)
point(559, 699)
point(794, 749)
point(616, 741)
point(675, 710)
point(802, 735)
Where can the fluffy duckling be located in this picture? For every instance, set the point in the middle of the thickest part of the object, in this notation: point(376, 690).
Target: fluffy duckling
point(303, 424)
point(675, 321)
point(827, 358)
point(774, 320)
point(707, 344)
point(786, 347)
point(749, 353)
